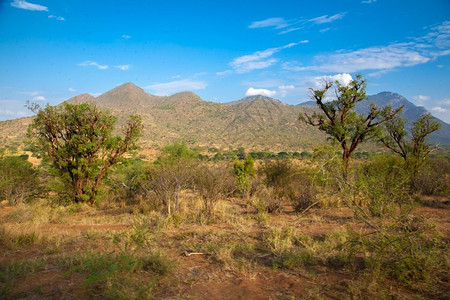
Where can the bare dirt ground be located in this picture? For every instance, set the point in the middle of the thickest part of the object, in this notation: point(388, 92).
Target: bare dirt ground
point(203, 268)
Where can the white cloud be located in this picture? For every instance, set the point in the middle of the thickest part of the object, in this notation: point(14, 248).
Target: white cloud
point(439, 36)
point(172, 87)
point(327, 19)
point(224, 73)
point(287, 26)
point(264, 92)
point(93, 63)
point(126, 36)
point(259, 59)
point(290, 30)
point(325, 30)
point(28, 6)
point(372, 58)
point(285, 89)
point(39, 98)
point(368, 1)
point(123, 67)
point(343, 79)
point(420, 99)
point(278, 23)
point(72, 90)
point(439, 109)
point(383, 59)
point(58, 18)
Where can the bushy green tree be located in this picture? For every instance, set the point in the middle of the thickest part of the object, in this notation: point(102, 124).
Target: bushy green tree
point(78, 141)
point(341, 122)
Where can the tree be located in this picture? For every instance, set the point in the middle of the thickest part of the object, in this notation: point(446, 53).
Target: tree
point(339, 120)
point(78, 140)
point(414, 151)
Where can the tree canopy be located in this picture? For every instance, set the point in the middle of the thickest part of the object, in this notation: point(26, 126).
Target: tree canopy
point(414, 149)
point(339, 119)
point(78, 140)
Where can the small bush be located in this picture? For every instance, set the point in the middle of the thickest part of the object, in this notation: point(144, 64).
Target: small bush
point(434, 178)
point(19, 181)
point(384, 184)
point(279, 240)
point(127, 181)
point(213, 183)
point(290, 182)
point(411, 251)
point(243, 171)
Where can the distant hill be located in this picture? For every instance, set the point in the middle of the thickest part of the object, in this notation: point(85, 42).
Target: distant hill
point(257, 122)
point(411, 112)
point(249, 99)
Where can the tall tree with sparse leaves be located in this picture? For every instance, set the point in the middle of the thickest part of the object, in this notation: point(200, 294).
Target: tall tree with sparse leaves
point(339, 120)
point(78, 141)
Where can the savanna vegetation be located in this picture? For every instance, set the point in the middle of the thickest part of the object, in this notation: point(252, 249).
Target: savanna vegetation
point(226, 224)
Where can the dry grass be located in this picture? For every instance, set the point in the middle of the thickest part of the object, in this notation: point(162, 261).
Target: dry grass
point(207, 255)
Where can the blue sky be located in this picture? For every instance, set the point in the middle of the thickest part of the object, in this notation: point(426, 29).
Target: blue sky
point(222, 50)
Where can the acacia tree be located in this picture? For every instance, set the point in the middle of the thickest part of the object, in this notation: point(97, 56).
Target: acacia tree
point(78, 140)
point(415, 150)
point(339, 120)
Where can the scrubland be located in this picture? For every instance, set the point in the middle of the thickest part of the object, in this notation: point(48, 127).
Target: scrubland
point(185, 228)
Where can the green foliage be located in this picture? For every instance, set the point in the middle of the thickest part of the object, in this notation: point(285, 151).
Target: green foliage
point(19, 180)
point(78, 140)
point(433, 178)
point(243, 170)
point(408, 250)
point(339, 120)
point(127, 181)
point(415, 150)
point(175, 152)
point(121, 273)
point(385, 183)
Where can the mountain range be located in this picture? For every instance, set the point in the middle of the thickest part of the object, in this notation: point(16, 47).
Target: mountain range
point(256, 122)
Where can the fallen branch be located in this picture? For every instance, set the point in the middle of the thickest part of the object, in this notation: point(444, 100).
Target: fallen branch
point(195, 253)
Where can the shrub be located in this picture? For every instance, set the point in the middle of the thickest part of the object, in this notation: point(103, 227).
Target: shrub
point(19, 181)
point(212, 183)
point(243, 170)
point(166, 180)
point(128, 181)
point(290, 182)
point(385, 186)
point(409, 250)
point(433, 179)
